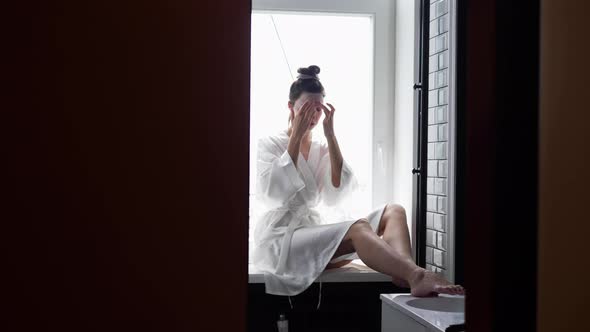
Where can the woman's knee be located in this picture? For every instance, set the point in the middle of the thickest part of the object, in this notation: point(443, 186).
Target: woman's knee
point(395, 209)
point(361, 225)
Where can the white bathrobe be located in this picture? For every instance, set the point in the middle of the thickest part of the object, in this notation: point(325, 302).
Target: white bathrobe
point(292, 242)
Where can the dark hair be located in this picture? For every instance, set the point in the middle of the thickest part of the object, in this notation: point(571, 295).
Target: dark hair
point(311, 85)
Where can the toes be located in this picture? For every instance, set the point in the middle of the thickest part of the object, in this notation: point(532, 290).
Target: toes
point(460, 289)
point(448, 289)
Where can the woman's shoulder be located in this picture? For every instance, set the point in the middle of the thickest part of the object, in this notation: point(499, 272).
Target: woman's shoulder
point(279, 139)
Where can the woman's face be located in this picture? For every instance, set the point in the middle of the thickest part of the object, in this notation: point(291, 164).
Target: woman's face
point(315, 97)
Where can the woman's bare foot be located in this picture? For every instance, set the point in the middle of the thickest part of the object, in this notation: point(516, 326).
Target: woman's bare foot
point(426, 283)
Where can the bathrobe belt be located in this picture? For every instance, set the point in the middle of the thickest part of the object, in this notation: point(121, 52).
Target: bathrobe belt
point(300, 213)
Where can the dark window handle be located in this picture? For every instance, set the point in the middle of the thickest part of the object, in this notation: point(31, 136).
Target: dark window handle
point(416, 170)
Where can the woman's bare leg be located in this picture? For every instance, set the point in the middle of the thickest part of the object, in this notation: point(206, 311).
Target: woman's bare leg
point(393, 227)
point(380, 256)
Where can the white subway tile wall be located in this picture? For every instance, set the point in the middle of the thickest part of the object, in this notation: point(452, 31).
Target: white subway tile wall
point(429, 220)
point(441, 241)
point(439, 257)
point(429, 255)
point(442, 168)
point(442, 205)
point(439, 222)
point(431, 238)
point(437, 185)
point(431, 202)
point(440, 150)
point(432, 114)
point(441, 115)
point(433, 168)
point(430, 185)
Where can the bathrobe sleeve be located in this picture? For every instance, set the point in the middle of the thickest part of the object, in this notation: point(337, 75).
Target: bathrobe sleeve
point(348, 183)
point(278, 179)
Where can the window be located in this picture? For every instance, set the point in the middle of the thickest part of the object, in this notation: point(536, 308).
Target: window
point(353, 44)
point(341, 46)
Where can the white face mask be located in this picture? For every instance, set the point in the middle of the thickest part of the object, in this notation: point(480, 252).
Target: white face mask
point(307, 96)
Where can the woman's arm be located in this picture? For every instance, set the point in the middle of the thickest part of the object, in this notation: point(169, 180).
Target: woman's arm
point(336, 160)
point(341, 181)
point(301, 123)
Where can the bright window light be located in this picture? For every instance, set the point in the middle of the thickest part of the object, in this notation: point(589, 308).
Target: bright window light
point(342, 46)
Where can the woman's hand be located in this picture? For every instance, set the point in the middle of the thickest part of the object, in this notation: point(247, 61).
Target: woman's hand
point(329, 120)
point(303, 118)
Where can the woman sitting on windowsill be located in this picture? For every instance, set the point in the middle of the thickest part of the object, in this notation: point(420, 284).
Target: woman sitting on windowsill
point(292, 244)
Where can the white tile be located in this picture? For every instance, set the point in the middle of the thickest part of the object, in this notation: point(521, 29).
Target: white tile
point(431, 202)
point(434, 25)
point(432, 11)
point(433, 168)
point(441, 114)
point(433, 133)
point(439, 257)
point(440, 150)
point(443, 132)
point(431, 267)
point(441, 42)
point(440, 186)
point(432, 114)
point(431, 81)
point(430, 151)
point(431, 238)
point(441, 78)
point(442, 204)
point(433, 98)
point(442, 168)
point(432, 46)
point(429, 254)
point(430, 185)
point(443, 60)
point(442, 7)
point(429, 219)
point(439, 221)
point(443, 96)
point(443, 23)
point(433, 63)
point(441, 240)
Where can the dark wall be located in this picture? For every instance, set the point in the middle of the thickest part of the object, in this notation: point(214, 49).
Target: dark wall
point(498, 187)
point(564, 159)
point(125, 165)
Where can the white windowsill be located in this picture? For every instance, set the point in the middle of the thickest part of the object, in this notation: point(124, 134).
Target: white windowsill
point(356, 271)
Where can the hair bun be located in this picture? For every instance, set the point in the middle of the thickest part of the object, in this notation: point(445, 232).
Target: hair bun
point(312, 70)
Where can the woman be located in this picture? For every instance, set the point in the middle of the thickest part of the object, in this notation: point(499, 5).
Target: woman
point(292, 244)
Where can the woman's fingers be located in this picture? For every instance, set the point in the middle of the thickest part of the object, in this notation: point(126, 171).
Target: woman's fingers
point(303, 110)
point(332, 109)
point(324, 108)
point(308, 113)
